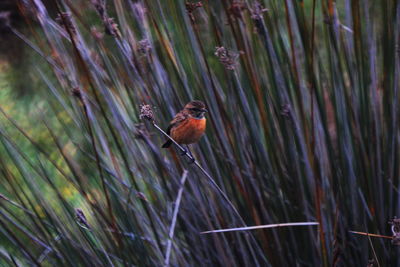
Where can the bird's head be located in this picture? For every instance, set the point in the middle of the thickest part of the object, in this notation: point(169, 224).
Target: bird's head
point(196, 109)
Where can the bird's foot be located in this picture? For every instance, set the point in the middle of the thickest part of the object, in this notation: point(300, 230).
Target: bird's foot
point(184, 151)
point(192, 160)
point(188, 153)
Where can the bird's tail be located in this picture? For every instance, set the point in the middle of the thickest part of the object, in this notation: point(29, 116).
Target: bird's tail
point(167, 144)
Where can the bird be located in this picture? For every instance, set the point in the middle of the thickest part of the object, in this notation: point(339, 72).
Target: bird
point(188, 125)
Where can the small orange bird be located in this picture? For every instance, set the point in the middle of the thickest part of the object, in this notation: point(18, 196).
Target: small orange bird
point(188, 125)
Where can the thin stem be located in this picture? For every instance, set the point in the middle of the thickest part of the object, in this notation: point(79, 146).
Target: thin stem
point(261, 227)
point(174, 217)
point(373, 250)
point(373, 235)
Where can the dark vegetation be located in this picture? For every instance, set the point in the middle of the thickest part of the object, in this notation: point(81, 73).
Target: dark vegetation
point(302, 127)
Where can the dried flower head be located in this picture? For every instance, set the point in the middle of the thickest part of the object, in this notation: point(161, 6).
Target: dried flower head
point(139, 11)
point(111, 28)
point(100, 7)
point(190, 7)
point(65, 19)
point(257, 11)
point(81, 218)
point(395, 222)
point(226, 57)
point(236, 9)
point(144, 46)
point(146, 113)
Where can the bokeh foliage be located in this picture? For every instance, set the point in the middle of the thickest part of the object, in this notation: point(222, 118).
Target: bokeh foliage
point(303, 126)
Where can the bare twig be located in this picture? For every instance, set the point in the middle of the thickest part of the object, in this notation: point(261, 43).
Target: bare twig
point(261, 227)
point(174, 217)
point(372, 235)
point(373, 250)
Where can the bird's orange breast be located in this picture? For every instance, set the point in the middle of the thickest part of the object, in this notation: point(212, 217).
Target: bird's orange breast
point(189, 131)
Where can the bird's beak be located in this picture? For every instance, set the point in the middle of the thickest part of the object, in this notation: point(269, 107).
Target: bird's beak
point(204, 110)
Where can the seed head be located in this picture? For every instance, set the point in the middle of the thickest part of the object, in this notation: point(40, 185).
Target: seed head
point(395, 222)
point(111, 28)
point(191, 7)
point(226, 57)
point(146, 113)
point(65, 19)
point(236, 9)
point(257, 11)
point(144, 46)
point(100, 7)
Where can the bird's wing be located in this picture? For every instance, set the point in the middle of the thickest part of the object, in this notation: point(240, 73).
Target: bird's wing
point(179, 117)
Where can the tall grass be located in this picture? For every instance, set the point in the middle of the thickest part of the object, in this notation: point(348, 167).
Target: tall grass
point(303, 127)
